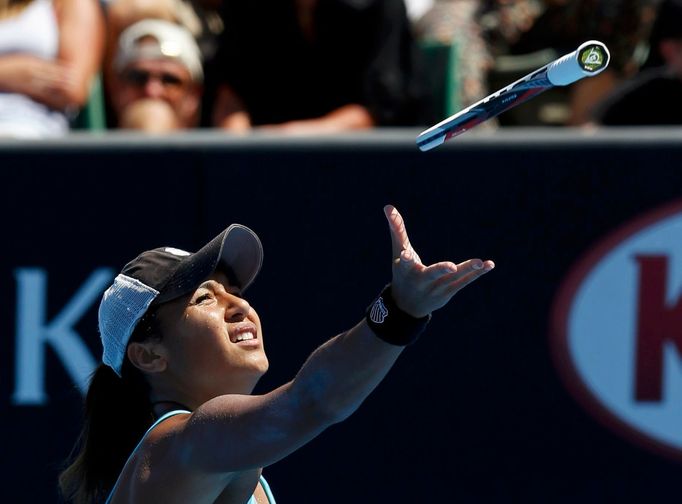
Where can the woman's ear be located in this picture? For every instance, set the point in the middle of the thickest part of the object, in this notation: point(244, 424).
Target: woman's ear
point(147, 357)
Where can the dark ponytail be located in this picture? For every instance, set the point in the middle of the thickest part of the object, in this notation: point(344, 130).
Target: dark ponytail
point(117, 413)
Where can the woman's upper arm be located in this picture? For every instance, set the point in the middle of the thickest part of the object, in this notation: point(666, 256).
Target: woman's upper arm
point(232, 433)
point(81, 43)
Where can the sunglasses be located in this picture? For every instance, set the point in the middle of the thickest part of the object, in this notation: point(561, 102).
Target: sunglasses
point(140, 78)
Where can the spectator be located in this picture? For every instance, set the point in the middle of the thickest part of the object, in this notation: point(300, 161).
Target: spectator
point(563, 26)
point(50, 50)
point(315, 66)
point(653, 96)
point(200, 17)
point(473, 27)
point(157, 78)
point(456, 22)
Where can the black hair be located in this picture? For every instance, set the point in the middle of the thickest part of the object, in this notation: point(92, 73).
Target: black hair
point(117, 413)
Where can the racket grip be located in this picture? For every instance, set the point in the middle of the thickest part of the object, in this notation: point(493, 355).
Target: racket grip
point(590, 59)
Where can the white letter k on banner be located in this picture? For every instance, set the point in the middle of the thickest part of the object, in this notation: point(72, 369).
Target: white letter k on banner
point(33, 332)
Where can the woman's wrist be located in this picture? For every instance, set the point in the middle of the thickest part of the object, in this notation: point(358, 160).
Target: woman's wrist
point(391, 324)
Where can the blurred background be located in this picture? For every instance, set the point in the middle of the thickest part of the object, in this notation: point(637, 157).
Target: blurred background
point(131, 124)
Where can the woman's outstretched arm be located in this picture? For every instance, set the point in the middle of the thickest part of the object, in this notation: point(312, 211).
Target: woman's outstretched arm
point(231, 433)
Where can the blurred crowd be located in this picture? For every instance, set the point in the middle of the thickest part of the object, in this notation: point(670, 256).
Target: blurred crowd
point(324, 66)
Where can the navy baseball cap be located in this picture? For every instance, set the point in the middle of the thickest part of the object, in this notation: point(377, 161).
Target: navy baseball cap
point(166, 273)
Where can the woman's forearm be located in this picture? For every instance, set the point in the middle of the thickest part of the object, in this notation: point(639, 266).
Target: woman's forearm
point(345, 118)
point(81, 47)
point(341, 373)
point(39, 79)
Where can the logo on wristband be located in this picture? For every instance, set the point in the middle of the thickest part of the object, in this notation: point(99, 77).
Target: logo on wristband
point(379, 312)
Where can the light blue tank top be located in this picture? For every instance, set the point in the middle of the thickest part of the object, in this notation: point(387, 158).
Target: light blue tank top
point(252, 500)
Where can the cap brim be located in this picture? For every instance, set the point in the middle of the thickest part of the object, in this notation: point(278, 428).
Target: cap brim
point(238, 249)
point(242, 253)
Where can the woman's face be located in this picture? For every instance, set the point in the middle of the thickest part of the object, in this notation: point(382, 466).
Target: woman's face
point(213, 342)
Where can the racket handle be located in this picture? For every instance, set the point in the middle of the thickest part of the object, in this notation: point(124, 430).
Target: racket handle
point(588, 60)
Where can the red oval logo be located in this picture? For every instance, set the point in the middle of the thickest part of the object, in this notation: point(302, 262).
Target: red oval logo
point(617, 330)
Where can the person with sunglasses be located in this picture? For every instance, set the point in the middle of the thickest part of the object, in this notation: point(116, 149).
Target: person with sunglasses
point(158, 75)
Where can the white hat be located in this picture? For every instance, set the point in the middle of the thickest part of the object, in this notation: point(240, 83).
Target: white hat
point(172, 41)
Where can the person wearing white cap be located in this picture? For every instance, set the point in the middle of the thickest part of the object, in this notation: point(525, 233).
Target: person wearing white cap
point(182, 345)
point(158, 75)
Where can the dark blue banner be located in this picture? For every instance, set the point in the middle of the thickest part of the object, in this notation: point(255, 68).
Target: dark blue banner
point(477, 411)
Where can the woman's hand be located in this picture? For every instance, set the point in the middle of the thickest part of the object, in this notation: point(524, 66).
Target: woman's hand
point(45, 81)
point(419, 289)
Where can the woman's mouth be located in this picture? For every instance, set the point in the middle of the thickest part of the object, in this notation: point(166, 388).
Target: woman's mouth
point(244, 334)
point(244, 337)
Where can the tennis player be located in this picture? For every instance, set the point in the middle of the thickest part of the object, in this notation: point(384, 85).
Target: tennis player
point(170, 415)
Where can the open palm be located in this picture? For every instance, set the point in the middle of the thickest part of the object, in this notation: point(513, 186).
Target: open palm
point(419, 289)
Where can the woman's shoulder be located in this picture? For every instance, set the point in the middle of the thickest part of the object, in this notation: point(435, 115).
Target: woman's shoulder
point(153, 450)
point(157, 471)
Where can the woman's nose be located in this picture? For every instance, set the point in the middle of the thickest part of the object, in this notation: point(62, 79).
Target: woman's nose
point(237, 308)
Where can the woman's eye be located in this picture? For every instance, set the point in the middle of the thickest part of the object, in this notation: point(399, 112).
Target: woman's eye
point(202, 298)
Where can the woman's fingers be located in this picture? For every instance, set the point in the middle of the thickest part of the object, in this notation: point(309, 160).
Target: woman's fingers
point(408, 264)
point(420, 289)
point(450, 286)
point(439, 270)
point(464, 274)
point(396, 225)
